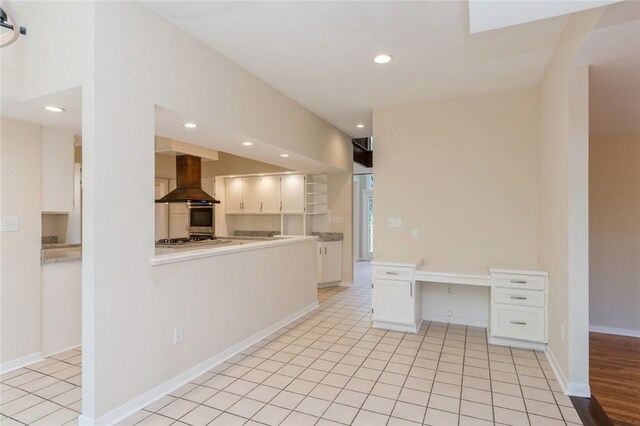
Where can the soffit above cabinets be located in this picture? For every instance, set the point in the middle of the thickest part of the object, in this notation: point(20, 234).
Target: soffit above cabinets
point(173, 147)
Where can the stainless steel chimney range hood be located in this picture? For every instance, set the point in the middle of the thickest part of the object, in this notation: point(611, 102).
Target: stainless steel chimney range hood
point(188, 183)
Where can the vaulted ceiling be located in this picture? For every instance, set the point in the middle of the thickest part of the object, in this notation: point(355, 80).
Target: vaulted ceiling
point(320, 53)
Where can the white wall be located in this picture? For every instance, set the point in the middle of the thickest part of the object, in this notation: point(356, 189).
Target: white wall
point(151, 62)
point(20, 251)
point(614, 233)
point(463, 172)
point(563, 208)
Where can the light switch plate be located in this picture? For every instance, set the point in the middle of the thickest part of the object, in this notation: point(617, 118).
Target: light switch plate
point(415, 234)
point(10, 224)
point(395, 222)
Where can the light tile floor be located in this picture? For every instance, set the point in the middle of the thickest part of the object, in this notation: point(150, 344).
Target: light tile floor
point(331, 368)
point(44, 394)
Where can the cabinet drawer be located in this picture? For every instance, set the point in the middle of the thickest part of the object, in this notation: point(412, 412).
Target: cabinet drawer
point(509, 296)
point(393, 273)
point(527, 282)
point(521, 323)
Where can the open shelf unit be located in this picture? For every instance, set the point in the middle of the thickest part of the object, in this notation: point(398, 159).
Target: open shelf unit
point(316, 194)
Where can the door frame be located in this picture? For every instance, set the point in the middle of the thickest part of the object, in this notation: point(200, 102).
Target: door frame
point(364, 240)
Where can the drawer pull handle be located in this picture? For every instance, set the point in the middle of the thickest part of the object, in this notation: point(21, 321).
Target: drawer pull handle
point(392, 273)
point(518, 298)
point(518, 282)
point(518, 323)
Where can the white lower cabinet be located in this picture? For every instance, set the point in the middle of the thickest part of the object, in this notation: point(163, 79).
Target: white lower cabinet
point(396, 299)
point(519, 307)
point(329, 262)
point(393, 301)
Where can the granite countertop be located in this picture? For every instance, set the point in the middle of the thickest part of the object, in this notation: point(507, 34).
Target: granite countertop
point(239, 233)
point(329, 236)
point(60, 253)
point(58, 245)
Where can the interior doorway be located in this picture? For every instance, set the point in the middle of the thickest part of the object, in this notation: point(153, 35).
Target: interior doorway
point(367, 224)
point(363, 216)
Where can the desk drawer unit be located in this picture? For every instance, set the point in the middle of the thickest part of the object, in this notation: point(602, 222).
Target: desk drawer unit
point(521, 323)
point(397, 273)
point(524, 282)
point(516, 297)
point(519, 307)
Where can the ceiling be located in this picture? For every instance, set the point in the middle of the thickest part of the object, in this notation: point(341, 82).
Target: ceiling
point(612, 52)
point(320, 53)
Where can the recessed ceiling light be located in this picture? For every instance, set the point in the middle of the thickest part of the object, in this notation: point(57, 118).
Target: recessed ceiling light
point(382, 59)
point(247, 143)
point(284, 155)
point(360, 126)
point(190, 125)
point(54, 108)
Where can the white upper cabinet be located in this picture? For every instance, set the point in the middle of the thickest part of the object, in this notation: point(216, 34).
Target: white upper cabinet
point(233, 195)
point(274, 194)
point(270, 194)
point(209, 186)
point(57, 163)
point(292, 193)
point(251, 195)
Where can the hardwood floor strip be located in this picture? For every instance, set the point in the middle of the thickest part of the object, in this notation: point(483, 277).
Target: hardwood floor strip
point(590, 411)
point(614, 368)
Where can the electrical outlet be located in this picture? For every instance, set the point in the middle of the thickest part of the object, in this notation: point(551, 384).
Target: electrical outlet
point(10, 224)
point(338, 219)
point(177, 335)
point(415, 234)
point(395, 222)
point(450, 313)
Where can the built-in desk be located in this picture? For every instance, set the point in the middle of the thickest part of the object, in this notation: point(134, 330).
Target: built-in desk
point(518, 298)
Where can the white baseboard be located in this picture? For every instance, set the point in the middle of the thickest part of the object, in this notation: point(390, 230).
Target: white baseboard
point(24, 361)
point(579, 389)
point(160, 391)
point(63, 350)
point(345, 283)
point(455, 320)
point(562, 379)
point(397, 327)
point(517, 343)
point(617, 331)
point(568, 388)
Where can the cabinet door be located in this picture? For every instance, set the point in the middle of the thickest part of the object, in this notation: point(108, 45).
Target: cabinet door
point(292, 193)
point(178, 225)
point(332, 263)
point(320, 261)
point(251, 195)
point(233, 196)
point(270, 194)
point(209, 186)
point(393, 301)
point(162, 211)
point(176, 207)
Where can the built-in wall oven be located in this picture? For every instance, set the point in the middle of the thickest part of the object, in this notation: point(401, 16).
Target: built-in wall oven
point(201, 220)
